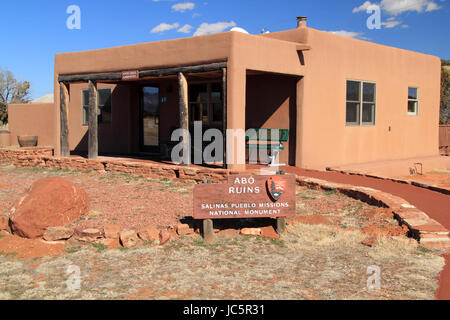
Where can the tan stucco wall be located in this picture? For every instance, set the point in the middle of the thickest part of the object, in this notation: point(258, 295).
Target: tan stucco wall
point(325, 140)
point(33, 119)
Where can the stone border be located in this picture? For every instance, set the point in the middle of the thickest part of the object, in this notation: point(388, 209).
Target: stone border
point(40, 158)
point(12, 154)
point(423, 185)
point(428, 232)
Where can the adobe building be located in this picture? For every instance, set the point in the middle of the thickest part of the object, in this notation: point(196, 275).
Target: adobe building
point(345, 101)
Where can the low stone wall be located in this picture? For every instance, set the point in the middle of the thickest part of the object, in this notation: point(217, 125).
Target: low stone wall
point(102, 165)
point(12, 154)
point(428, 232)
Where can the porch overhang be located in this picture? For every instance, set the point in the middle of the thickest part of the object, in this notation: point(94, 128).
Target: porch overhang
point(142, 74)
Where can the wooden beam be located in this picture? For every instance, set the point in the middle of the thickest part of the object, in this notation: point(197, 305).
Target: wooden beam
point(64, 122)
point(117, 76)
point(225, 114)
point(91, 77)
point(177, 70)
point(93, 121)
point(184, 116)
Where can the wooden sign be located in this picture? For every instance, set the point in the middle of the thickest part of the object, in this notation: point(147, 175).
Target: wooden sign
point(246, 197)
point(130, 75)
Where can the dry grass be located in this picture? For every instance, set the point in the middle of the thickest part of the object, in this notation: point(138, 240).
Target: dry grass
point(310, 262)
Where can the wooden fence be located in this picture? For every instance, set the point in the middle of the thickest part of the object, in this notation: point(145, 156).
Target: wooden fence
point(444, 139)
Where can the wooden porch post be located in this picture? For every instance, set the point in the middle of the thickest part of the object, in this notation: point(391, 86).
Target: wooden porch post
point(184, 116)
point(225, 114)
point(64, 125)
point(93, 121)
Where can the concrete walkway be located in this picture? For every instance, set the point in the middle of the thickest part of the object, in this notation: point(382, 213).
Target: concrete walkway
point(436, 205)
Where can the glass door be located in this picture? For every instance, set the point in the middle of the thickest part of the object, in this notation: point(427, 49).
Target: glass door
point(150, 119)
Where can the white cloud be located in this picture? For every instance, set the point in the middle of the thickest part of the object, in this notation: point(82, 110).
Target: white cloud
point(363, 7)
point(431, 6)
point(391, 23)
point(348, 34)
point(182, 7)
point(164, 27)
point(206, 28)
point(396, 7)
point(187, 28)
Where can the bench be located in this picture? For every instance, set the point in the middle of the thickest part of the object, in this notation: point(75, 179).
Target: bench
point(269, 139)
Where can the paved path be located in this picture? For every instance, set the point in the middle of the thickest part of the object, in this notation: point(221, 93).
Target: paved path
point(434, 204)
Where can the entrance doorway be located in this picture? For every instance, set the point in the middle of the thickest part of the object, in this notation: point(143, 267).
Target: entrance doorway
point(149, 119)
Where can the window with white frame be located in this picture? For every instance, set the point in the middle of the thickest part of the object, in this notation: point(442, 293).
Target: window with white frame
point(413, 101)
point(361, 103)
point(104, 106)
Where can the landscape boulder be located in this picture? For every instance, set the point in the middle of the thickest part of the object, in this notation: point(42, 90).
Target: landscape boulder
point(89, 235)
point(164, 237)
point(58, 233)
point(149, 234)
point(183, 229)
point(129, 238)
point(111, 231)
point(251, 231)
point(50, 202)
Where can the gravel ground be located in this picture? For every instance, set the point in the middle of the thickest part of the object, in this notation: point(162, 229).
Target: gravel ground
point(310, 261)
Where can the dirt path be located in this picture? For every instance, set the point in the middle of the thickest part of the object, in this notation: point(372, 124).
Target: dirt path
point(435, 204)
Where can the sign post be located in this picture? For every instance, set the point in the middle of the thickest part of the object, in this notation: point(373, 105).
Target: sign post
point(244, 197)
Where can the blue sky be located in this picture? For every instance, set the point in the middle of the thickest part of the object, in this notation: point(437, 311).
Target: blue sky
point(34, 31)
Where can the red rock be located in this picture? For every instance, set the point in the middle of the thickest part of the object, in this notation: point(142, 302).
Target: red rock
point(129, 238)
point(173, 233)
point(111, 231)
point(369, 241)
point(88, 235)
point(269, 232)
point(58, 233)
point(149, 234)
point(164, 237)
point(50, 202)
point(183, 229)
point(110, 243)
point(251, 231)
point(229, 233)
point(4, 223)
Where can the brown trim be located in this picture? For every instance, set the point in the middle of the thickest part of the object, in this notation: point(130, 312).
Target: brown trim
point(110, 76)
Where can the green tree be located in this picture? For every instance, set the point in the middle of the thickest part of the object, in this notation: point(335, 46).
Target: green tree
point(11, 91)
point(445, 96)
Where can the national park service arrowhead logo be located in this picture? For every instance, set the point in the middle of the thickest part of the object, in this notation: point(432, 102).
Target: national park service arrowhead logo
point(276, 186)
